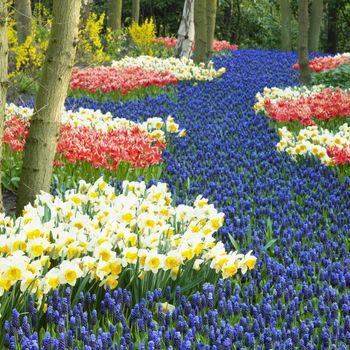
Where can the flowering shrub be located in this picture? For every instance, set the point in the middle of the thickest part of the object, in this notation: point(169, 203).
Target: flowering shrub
point(143, 35)
point(121, 79)
point(304, 105)
point(332, 148)
point(91, 142)
point(90, 47)
point(181, 69)
point(132, 238)
point(320, 64)
point(28, 56)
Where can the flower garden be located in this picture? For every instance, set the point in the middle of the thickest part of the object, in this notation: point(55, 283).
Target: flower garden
point(126, 264)
point(192, 206)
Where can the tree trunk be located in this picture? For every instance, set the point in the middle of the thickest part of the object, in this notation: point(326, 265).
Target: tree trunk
point(115, 14)
point(286, 42)
point(332, 38)
point(200, 29)
point(315, 25)
point(23, 20)
point(227, 19)
point(303, 11)
point(135, 13)
point(185, 35)
point(44, 128)
point(3, 79)
point(211, 23)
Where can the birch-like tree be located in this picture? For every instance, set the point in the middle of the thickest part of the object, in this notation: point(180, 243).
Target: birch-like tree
point(303, 53)
point(44, 128)
point(3, 79)
point(185, 35)
point(315, 25)
point(200, 28)
point(115, 14)
point(285, 17)
point(23, 20)
point(135, 11)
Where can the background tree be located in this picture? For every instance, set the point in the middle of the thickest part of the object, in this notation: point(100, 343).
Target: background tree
point(200, 29)
point(332, 19)
point(135, 12)
point(286, 34)
point(211, 24)
point(303, 54)
point(23, 20)
point(185, 35)
point(115, 14)
point(41, 143)
point(315, 25)
point(3, 78)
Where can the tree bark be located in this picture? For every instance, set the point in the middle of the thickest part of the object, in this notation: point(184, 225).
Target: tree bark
point(23, 20)
point(200, 29)
point(332, 38)
point(315, 25)
point(211, 23)
point(286, 42)
point(185, 35)
point(115, 15)
point(3, 79)
point(44, 128)
point(135, 12)
point(303, 11)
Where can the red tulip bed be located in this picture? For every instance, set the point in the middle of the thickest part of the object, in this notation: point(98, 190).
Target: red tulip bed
point(118, 83)
point(118, 151)
point(218, 45)
point(320, 64)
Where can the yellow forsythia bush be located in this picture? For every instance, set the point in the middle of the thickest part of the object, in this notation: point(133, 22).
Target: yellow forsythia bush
point(143, 35)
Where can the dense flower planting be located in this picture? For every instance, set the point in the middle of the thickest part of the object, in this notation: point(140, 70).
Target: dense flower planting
point(320, 64)
point(181, 69)
point(121, 79)
point(90, 137)
point(134, 237)
point(295, 216)
point(304, 105)
point(331, 148)
point(218, 45)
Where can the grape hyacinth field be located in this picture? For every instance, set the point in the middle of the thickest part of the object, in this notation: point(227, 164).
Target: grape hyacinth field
point(293, 216)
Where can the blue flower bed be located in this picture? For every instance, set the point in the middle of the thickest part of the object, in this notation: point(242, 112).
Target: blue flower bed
point(295, 217)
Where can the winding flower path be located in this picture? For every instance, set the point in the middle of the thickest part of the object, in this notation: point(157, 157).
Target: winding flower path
point(296, 217)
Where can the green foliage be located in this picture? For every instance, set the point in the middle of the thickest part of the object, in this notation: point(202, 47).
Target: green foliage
point(339, 77)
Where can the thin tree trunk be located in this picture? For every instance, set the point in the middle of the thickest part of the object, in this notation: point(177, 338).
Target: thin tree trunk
point(135, 12)
point(211, 23)
point(315, 25)
point(286, 42)
point(44, 128)
point(3, 79)
point(332, 38)
point(200, 28)
point(227, 18)
point(185, 35)
point(305, 75)
point(115, 14)
point(23, 20)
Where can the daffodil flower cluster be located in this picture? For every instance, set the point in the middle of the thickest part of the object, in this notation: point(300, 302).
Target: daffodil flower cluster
point(97, 233)
point(104, 122)
point(315, 141)
point(293, 93)
point(182, 69)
